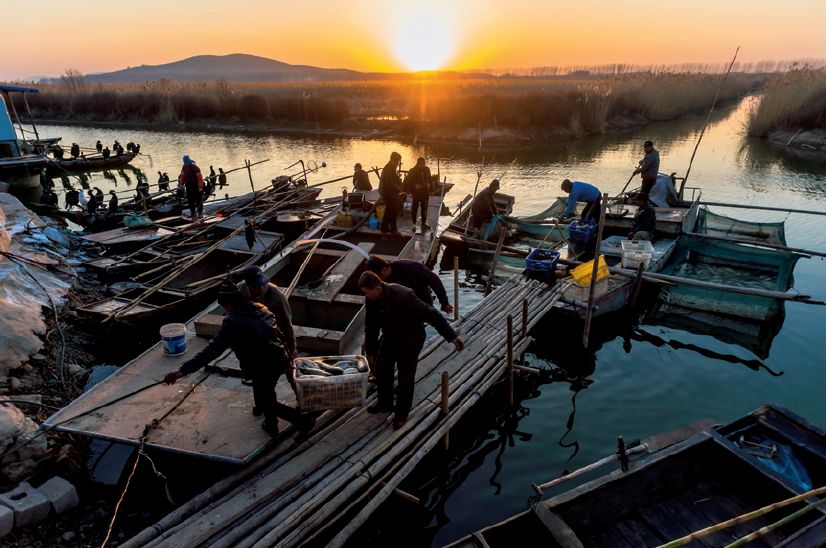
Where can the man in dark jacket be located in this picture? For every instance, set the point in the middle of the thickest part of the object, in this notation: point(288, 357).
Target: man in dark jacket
point(484, 207)
point(251, 332)
point(193, 182)
point(412, 274)
point(399, 315)
point(417, 184)
point(391, 193)
point(258, 289)
point(649, 167)
point(361, 179)
point(645, 219)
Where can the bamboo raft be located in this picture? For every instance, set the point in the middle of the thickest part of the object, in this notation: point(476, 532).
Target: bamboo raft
point(322, 490)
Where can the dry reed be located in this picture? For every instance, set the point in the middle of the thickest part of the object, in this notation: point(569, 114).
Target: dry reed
point(792, 101)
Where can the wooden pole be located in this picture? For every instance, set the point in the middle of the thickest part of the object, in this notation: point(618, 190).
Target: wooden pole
point(586, 333)
point(763, 531)
point(252, 186)
point(445, 404)
point(475, 190)
point(31, 119)
point(455, 288)
point(764, 208)
point(637, 284)
point(492, 273)
point(757, 244)
point(510, 360)
point(524, 327)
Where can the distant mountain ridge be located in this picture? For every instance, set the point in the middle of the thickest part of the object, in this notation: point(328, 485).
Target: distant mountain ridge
point(235, 67)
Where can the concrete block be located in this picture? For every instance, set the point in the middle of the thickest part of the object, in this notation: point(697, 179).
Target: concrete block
point(60, 493)
point(6, 521)
point(29, 505)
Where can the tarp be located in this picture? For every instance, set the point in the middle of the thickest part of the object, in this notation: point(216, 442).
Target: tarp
point(715, 224)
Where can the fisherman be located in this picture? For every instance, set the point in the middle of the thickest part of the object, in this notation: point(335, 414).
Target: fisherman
point(645, 219)
point(417, 183)
point(391, 193)
point(582, 192)
point(664, 193)
point(250, 330)
point(75, 150)
point(483, 208)
point(222, 178)
point(649, 167)
point(414, 275)
point(400, 316)
point(257, 288)
point(163, 181)
point(113, 202)
point(193, 182)
point(99, 146)
point(361, 179)
point(58, 152)
point(105, 153)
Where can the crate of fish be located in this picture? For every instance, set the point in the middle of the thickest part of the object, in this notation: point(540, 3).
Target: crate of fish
point(331, 382)
point(540, 264)
point(581, 232)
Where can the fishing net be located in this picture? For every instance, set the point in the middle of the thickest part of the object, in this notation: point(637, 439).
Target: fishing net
point(714, 224)
point(781, 460)
point(729, 264)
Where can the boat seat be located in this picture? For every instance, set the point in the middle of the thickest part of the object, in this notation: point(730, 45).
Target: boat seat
point(336, 278)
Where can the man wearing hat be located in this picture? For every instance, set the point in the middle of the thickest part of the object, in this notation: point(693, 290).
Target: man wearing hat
point(483, 208)
point(645, 219)
point(649, 167)
point(391, 193)
point(192, 180)
point(253, 335)
point(258, 289)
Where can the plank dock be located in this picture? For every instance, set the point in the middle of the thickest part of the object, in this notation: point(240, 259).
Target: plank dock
point(322, 490)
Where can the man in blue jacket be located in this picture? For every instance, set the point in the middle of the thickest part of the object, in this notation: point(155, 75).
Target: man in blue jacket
point(582, 192)
point(399, 315)
point(412, 274)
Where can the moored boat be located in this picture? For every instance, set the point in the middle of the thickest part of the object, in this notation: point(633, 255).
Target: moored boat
point(89, 163)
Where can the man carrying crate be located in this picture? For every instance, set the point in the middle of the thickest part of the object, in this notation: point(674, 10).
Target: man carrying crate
point(250, 330)
point(399, 315)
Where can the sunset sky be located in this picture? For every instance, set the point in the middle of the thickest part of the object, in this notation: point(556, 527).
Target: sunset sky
point(43, 38)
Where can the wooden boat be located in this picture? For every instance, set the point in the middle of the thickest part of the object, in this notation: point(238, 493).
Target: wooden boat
point(90, 163)
point(673, 490)
point(459, 240)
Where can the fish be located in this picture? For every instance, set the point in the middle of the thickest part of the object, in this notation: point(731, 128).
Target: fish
point(313, 371)
point(346, 364)
point(332, 369)
point(351, 371)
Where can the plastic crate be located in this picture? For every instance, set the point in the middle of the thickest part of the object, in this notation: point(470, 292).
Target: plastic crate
point(581, 292)
point(581, 233)
point(336, 392)
point(636, 253)
point(541, 264)
point(582, 274)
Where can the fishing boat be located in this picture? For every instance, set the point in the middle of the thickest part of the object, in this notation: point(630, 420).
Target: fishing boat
point(667, 489)
point(89, 163)
point(20, 161)
point(460, 238)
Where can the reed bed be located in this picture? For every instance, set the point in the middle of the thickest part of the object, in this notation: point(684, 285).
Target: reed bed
point(795, 100)
point(413, 103)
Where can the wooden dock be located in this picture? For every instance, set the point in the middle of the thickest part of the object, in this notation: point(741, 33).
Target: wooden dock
point(322, 490)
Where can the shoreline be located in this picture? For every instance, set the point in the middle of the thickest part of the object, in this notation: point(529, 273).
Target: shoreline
point(800, 140)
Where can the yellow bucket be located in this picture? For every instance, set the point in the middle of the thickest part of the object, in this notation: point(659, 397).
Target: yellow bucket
point(380, 212)
point(582, 273)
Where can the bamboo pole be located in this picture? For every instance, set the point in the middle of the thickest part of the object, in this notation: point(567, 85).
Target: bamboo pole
point(682, 541)
point(445, 405)
point(764, 208)
point(510, 360)
point(252, 185)
point(455, 288)
point(763, 531)
point(586, 333)
point(492, 272)
point(637, 284)
point(767, 245)
point(475, 190)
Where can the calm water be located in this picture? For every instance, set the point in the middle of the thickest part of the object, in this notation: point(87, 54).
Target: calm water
point(636, 384)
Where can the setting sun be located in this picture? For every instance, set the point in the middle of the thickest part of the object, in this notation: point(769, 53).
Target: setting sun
point(423, 43)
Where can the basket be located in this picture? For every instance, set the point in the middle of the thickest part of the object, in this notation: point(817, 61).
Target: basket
point(582, 274)
point(636, 253)
point(541, 263)
point(581, 233)
point(338, 392)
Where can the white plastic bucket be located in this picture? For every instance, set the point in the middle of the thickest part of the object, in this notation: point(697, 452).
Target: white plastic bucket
point(173, 336)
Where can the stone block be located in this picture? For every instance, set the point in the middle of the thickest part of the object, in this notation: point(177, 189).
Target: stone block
point(60, 493)
point(6, 521)
point(29, 505)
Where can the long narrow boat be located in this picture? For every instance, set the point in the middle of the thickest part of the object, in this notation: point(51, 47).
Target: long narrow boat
point(89, 163)
point(216, 422)
point(715, 475)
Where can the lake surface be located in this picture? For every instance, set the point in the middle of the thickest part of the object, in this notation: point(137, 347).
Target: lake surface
point(638, 383)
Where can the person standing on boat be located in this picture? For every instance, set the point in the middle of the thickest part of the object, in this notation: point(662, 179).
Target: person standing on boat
point(391, 193)
point(222, 178)
point(417, 184)
point(361, 179)
point(582, 192)
point(414, 275)
point(649, 167)
point(193, 182)
point(400, 316)
point(645, 219)
point(483, 208)
point(250, 330)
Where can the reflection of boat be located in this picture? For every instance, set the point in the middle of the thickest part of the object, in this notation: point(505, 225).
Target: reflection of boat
point(684, 484)
point(90, 163)
point(20, 163)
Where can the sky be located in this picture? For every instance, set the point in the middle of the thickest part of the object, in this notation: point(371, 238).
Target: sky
point(45, 37)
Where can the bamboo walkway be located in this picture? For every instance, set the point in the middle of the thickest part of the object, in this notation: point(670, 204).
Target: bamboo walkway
point(322, 490)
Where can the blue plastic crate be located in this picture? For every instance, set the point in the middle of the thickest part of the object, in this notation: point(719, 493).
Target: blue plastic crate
point(541, 264)
point(581, 233)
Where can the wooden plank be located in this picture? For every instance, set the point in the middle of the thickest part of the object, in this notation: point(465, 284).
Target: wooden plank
point(208, 325)
point(637, 533)
point(560, 530)
point(660, 521)
point(338, 276)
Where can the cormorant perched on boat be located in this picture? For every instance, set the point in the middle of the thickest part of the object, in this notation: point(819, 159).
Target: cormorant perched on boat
point(222, 178)
point(163, 181)
point(136, 149)
point(72, 198)
point(142, 190)
point(130, 146)
point(105, 152)
point(119, 151)
point(92, 204)
point(75, 150)
point(58, 152)
point(99, 146)
point(115, 145)
point(113, 202)
point(49, 197)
